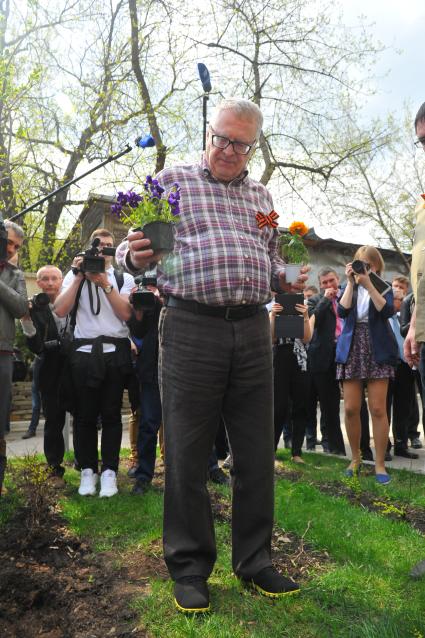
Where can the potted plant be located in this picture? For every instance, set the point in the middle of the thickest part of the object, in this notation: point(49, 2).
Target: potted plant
point(292, 250)
point(151, 212)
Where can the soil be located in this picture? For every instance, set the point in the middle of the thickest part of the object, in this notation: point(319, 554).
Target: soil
point(53, 586)
point(354, 493)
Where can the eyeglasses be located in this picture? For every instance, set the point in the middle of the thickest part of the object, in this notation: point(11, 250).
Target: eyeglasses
point(420, 142)
point(238, 147)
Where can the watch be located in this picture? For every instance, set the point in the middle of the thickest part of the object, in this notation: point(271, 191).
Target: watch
point(107, 289)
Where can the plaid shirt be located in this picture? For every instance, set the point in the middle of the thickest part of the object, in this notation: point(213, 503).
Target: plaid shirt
point(220, 255)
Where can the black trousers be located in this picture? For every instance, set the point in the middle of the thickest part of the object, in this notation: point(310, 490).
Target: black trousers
point(402, 396)
point(106, 401)
point(328, 392)
point(54, 445)
point(211, 367)
point(291, 387)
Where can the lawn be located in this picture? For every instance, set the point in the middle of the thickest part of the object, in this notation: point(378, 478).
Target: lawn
point(353, 563)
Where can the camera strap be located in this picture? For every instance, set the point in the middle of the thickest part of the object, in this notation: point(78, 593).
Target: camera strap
point(93, 311)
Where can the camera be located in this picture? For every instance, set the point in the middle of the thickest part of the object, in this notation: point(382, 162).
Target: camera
point(142, 298)
point(40, 301)
point(53, 344)
point(93, 258)
point(360, 267)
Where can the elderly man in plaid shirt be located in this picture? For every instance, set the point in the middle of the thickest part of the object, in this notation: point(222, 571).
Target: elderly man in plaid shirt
point(216, 358)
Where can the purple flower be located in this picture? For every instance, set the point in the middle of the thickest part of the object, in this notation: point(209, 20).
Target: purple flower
point(121, 198)
point(133, 199)
point(116, 210)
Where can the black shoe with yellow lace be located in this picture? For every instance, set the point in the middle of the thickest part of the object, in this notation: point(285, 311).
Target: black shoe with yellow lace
point(269, 582)
point(191, 595)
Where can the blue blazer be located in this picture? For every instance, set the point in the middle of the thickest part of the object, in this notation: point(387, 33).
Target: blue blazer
point(384, 344)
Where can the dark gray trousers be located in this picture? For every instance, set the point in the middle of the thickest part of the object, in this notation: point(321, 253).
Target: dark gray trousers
point(208, 367)
point(6, 368)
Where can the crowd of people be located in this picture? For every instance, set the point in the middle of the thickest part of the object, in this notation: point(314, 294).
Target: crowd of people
point(206, 351)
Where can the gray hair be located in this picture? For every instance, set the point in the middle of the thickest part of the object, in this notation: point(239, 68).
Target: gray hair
point(420, 115)
point(243, 109)
point(19, 232)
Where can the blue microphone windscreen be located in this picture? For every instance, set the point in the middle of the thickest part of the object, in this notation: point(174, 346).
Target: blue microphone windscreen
point(145, 141)
point(204, 74)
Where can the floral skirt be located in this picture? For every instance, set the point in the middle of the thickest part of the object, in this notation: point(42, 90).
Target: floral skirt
point(360, 363)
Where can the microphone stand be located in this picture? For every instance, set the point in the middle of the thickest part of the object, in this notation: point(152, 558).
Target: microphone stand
point(205, 99)
point(111, 158)
point(204, 76)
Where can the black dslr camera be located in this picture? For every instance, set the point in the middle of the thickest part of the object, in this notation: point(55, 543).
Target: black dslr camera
point(93, 260)
point(360, 267)
point(142, 298)
point(40, 301)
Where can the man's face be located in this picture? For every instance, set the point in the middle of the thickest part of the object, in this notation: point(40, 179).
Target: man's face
point(13, 243)
point(308, 293)
point(330, 280)
point(398, 285)
point(49, 281)
point(225, 164)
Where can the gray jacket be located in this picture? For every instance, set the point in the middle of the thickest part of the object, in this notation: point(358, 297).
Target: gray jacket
point(13, 303)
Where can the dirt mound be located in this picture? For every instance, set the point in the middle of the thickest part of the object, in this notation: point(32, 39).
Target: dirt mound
point(53, 586)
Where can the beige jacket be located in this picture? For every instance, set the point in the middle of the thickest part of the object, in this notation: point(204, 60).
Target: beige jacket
point(417, 273)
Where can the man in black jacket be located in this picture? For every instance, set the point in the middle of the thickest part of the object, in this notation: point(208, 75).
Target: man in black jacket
point(321, 356)
point(44, 331)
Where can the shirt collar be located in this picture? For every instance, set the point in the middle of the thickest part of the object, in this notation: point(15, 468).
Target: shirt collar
point(207, 172)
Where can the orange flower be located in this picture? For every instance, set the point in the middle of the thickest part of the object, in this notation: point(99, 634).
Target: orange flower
point(298, 228)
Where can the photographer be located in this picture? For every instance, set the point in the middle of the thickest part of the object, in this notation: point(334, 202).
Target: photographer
point(100, 359)
point(13, 305)
point(366, 352)
point(147, 305)
point(44, 331)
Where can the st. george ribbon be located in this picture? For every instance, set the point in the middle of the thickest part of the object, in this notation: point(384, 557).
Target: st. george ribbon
point(143, 141)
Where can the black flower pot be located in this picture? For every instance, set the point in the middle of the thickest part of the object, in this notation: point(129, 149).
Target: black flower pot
point(161, 235)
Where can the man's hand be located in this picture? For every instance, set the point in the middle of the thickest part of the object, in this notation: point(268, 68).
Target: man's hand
point(141, 255)
point(411, 348)
point(76, 263)
point(330, 293)
point(299, 285)
point(98, 278)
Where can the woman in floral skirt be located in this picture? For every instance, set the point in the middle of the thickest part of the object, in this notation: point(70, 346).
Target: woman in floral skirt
point(366, 352)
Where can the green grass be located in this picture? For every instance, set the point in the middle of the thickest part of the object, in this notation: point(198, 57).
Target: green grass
point(363, 591)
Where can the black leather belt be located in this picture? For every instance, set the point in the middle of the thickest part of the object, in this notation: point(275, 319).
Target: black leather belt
point(230, 313)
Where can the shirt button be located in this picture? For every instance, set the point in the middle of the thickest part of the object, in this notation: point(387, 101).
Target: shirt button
point(247, 279)
point(243, 301)
point(246, 256)
point(241, 237)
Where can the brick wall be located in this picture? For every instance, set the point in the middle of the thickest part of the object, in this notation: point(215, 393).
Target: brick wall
point(21, 402)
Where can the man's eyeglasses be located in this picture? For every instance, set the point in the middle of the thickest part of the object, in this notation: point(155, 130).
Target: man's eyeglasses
point(223, 142)
point(420, 142)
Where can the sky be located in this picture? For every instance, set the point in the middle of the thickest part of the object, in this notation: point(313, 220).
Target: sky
point(399, 26)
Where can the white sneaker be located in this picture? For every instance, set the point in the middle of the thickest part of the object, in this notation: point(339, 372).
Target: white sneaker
point(108, 483)
point(87, 483)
